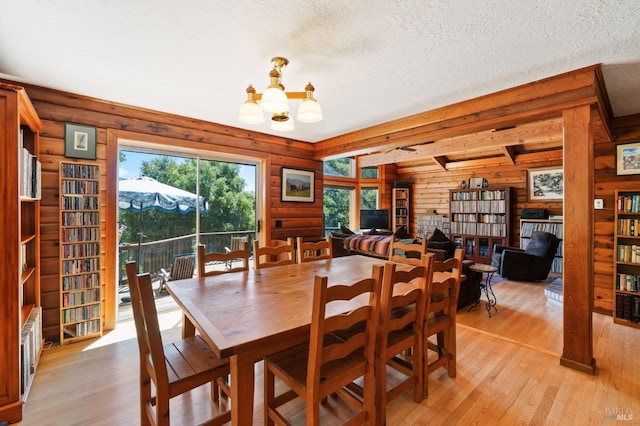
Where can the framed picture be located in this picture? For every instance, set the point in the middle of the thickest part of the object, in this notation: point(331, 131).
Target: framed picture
point(475, 183)
point(545, 184)
point(79, 141)
point(298, 185)
point(628, 159)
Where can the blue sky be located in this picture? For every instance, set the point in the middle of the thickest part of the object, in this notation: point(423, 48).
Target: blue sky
point(131, 168)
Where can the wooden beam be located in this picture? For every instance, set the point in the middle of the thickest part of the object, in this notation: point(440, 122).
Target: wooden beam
point(509, 152)
point(538, 132)
point(441, 161)
point(578, 245)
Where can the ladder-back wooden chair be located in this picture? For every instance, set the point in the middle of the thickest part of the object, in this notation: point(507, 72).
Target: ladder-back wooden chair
point(440, 318)
point(173, 368)
point(310, 251)
point(409, 253)
point(236, 243)
point(326, 364)
point(282, 253)
point(224, 259)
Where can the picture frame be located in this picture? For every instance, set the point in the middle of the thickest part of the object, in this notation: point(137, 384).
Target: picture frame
point(628, 159)
point(545, 184)
point(476, 183)
point(79, 141)
point(298, 185)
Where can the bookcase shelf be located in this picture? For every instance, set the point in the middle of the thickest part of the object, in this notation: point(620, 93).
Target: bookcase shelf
point(427, 223)
point(81, 287)
point(21, 316)
point(554, 226)
point(480, 219)
point(400, 205)
point(626, 280)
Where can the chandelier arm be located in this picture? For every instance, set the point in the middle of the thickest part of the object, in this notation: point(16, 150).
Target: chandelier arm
point(290, 95)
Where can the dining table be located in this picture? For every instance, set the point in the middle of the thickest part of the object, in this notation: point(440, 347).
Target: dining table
point(246, 316)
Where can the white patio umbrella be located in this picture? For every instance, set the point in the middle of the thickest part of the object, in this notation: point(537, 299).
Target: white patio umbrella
point(144, 193)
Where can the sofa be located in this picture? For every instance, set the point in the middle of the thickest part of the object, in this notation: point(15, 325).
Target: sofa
point(347, 243)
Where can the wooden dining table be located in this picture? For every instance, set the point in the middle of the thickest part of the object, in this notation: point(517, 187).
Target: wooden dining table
point(248, 315)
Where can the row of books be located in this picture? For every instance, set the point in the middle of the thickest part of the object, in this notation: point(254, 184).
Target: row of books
point(30, 347)
point(78, 282)
point(71, 235)
point(77, 266)
point(485, 229)
point(30, 175)
point(80, 250)
point(628, 282)
point(77, 298)
point(80, 203)
point(527, 228)
point(482, 218)
point(80, 218)
point(80, 187)
point(80, 314)
point(629, 203)
point(629, 253)
point(487, 194)
point(82, 329)
point(628, 307)
point(402, 212)
point(629, 227)
point(80, 171)
point(478, 207)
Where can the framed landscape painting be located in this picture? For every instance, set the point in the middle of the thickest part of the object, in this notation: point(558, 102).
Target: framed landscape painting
point(628, 159)
point(298, 185)
point(545, 184)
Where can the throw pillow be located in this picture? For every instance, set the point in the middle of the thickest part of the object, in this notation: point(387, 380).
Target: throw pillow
point(438, 235)
point(346, 230)
point(439, 240)
point(340, 235)
point(372, 232)
point(402, 233)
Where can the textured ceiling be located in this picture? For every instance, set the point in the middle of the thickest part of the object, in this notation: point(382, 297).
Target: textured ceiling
point(370, 61)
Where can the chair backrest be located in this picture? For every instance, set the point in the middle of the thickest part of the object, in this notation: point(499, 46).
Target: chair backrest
point(452, 265)
point(362, 341)
point(410, 253)
point(310, 251)
point(237, 243)
point(222, 258)
point(442, 294)
point(276, 255)
point(542, 244)
point(145, 317)
point(183, 267)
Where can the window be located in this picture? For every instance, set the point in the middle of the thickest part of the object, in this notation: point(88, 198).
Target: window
point(369, 172)
point(343, 167)
point(369, 198)
point(338, 203)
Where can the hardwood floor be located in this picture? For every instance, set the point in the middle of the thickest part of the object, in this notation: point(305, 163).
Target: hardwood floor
point(508, 372)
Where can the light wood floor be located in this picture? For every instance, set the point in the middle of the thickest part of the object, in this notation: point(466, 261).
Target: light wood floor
point(508, 373)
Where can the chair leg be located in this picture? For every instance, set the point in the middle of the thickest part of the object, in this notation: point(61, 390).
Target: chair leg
point(269, 394)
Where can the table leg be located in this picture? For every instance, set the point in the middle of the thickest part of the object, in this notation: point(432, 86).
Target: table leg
point(188, 329)
point(242, 389)
point(491, 297)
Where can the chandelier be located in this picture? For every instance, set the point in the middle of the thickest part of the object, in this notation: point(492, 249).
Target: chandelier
point(275, 101)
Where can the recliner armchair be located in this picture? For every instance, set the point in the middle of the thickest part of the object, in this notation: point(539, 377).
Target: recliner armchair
point(531, 264)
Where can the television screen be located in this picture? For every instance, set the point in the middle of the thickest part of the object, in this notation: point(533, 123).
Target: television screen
point(378, 219)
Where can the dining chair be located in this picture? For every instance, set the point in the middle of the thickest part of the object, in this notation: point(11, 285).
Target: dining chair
point(440, 318)
point(172, 368)
point(402, 315)
point(409, 253)
point(310, 251)
point(325, 365)
point(182, 267)
point(281, 253)
point(222, 258)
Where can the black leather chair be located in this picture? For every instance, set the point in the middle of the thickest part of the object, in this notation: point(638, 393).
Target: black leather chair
point(531, 264)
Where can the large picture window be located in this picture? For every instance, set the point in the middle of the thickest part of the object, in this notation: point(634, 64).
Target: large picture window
point(338, 208)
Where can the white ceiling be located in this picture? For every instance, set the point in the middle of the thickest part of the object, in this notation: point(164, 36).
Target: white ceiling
point(371, 61)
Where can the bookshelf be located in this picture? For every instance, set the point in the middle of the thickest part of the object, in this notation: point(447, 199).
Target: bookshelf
point(427, 223)
point(400, 208)
point(479, 219)
point(21, 316)
point(81, 289)
point(527, 226)
point(626, 283)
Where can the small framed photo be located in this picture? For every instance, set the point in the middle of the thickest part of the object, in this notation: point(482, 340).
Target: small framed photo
point(545, 184)
point(298, 185)
point(628, 159)
point(79, 141)
point(476, 183)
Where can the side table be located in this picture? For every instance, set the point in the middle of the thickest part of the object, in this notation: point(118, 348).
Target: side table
point(486, 287)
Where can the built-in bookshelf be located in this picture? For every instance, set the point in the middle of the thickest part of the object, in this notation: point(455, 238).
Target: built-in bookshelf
point(627, 259)
point(400, 206)
point(527, 226)
point(427, 223)
point(21, 316)
point(81, 288)
point(479, 219)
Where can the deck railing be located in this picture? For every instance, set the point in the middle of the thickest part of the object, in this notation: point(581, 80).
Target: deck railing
point(156, 255)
